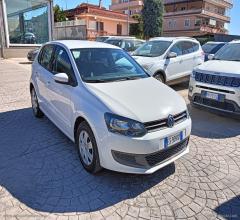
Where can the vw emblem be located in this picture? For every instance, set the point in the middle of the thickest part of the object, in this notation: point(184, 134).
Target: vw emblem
point(170, 121)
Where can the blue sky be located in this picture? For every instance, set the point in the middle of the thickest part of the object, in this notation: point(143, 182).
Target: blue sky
point(234, 27)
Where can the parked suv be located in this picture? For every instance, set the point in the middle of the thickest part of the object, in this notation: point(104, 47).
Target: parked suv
point(170, 60)
point(216, 83)
point(98, 96)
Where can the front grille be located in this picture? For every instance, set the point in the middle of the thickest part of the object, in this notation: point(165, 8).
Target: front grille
point(149, 160)
point(162, 155)
point(226, 106)
point(217, 79)
point(161, 124)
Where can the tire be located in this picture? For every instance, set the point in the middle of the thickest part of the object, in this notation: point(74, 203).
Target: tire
point(87, 148)
point(159, 77)
point(35, 105)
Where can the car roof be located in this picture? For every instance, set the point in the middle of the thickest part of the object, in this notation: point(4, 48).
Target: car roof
point(235, 42)
point(214, 42)
point(125, 38)
point(173, 38)
point(74, 44)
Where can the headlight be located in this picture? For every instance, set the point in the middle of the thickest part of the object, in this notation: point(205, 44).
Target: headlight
point(193, 74)
point(124, 126)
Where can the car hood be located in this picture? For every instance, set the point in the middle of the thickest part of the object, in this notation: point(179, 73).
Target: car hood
point(220, 66)
point(143, 100)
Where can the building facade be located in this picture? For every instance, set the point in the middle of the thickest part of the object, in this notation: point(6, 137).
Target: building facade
point(99, 21)
point(24, 24)
point(187, 17)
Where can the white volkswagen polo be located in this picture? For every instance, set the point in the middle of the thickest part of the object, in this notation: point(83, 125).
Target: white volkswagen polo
point(119, 117)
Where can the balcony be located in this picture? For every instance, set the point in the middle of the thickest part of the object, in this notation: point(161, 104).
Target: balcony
point(125, 5)
point(224, 18)
point(213, 30)
point(222, 3)
point(226, 3)
point(185, 12)
point(203, 12)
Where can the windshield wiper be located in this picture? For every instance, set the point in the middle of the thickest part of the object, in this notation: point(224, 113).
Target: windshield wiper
point(128, 78)
point(97, 81)
point(142, 55)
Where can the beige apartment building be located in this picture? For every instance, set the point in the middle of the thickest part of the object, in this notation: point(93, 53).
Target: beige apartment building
point(186, 17)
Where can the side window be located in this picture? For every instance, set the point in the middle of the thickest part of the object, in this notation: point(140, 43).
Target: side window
point(62, 63)
point(187, 47)
point(46, 56)
point(195, 47)
point(176, 48)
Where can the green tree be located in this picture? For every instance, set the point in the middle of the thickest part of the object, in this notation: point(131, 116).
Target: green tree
point(152, 18)
point(59, 14)
point(137, 29)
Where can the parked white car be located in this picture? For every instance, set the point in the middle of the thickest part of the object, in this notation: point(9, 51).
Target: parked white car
point(216, 83)
point(98, 96)
point(170, 60)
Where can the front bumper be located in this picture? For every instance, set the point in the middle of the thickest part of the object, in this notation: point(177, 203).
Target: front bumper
point(230, 105)
point(143, 155)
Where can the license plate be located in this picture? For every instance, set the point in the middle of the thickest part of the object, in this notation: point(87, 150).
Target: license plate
point(172, 140)
point(214, 96)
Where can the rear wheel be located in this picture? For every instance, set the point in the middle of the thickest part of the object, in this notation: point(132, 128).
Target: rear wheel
point(35, 105)
point(87, 148)
point(159, 77)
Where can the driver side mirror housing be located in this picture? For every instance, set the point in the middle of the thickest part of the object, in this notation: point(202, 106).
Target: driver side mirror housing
point(171, 55)
point(61, 78)
point(210, 56)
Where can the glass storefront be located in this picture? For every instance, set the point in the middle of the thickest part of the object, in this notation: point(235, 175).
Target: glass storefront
point(27, 21)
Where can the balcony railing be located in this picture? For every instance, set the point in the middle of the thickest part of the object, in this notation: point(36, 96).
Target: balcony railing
point(213, 30)
point(191, 11)
point(230, 2)
point(203, 12)
point(215, 15)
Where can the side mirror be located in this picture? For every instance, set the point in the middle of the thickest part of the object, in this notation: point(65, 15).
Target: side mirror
point(210, 56)
point(61, 78)
point(171, 55)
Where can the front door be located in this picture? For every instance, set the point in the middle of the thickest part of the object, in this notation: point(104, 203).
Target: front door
point(60, 95)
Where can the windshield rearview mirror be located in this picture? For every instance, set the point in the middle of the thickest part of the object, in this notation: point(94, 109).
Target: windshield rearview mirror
point(172, 55)
point(61, 78)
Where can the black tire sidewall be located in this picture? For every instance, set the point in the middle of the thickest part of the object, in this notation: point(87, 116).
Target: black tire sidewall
point(159, 77)
point(94, 167)
point(38, 113)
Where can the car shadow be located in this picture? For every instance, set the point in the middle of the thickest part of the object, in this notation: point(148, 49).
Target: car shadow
point(229, 210)
point(208, 124)
point(180, 86)
point(40, 167)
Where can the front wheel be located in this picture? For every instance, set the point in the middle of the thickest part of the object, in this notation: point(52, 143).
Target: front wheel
point(159, 77)
point(35, 105)
point(87, 148)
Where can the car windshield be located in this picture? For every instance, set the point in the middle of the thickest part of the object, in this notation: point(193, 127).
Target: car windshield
point(101, 39)
point(211, 48)
point(152, 48)
point(114, 42)
point(230, 52)
point(98, 65)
